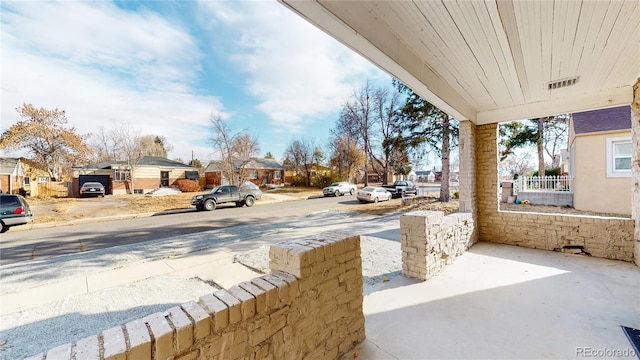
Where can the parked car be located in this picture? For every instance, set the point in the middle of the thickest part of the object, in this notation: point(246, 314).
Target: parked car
point(401, 188)
point(14, 211)
point(339, 189)
point(92, 189)
point(373, 194)
point(246, 194)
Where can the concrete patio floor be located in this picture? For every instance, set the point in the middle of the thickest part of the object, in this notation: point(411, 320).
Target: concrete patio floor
point(506, 302)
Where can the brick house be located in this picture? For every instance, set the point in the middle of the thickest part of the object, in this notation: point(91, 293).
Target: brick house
point(149, 173)
point(260, 171)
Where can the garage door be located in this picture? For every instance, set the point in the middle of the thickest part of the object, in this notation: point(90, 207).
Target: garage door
point(102, 179)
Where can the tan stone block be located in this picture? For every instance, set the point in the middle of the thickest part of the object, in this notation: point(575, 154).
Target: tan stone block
point(113, 342)
point(271, 291)
point(62, 352)
point(183, 328)
point(247, 301)
point(239, 351)
point(139, 340)
point(291, 280)
point(281, 288)
point(163, 335)
point(234, 305)
point(258, 293)
point(192, 355)
point(202, 326)
point(87, 348)
point(218, 310)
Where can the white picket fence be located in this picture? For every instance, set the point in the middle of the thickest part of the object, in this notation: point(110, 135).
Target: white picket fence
point(543, 184)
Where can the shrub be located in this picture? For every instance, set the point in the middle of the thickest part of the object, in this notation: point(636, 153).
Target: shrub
point(549, 172)
point(186, 185)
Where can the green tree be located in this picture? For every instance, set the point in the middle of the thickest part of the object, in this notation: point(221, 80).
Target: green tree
point(424, 123)
point(548, 134)
point(196, 163)
point(45, 135)
point(268, 155)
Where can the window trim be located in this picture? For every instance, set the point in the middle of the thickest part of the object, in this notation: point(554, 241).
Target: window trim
point(125, 173)
point(611, 171)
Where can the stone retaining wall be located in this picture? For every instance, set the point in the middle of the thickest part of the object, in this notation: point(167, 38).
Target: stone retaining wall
point(309, 306)
point(611, 238)
point(430, 241)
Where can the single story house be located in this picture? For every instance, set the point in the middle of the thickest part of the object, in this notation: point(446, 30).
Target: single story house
point(11, 175)
point(145, 174)
point(425, 176)
point(259, 171)
point(600, 152)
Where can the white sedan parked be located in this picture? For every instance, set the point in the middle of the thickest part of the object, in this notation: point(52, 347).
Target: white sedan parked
point(373, 194)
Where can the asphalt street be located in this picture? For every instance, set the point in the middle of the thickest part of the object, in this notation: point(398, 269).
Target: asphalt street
point(42, 243)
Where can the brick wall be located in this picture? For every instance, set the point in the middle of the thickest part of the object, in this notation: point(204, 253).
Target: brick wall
point(609, 238)
point(430, 241)
point(309, 306)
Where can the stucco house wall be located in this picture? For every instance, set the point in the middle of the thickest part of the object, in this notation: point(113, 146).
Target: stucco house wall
point(595, 187)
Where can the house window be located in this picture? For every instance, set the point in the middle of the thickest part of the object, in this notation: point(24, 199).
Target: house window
point(43, 179)
point(619, 157)
point(27, 181)
point(253, 174)
point(120, 175)
point(277, 174)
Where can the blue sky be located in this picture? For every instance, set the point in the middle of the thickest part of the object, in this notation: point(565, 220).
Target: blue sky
point(164, 67)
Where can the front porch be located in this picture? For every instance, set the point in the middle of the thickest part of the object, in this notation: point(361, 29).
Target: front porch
point(499, 301)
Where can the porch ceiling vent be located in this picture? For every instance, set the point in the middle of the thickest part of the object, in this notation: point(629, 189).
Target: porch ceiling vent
point(562, 83)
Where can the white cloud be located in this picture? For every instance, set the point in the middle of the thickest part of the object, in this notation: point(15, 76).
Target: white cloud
point(103, 64)
point(297, 72)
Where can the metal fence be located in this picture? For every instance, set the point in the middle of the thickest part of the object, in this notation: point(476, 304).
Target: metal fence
point(543, 184)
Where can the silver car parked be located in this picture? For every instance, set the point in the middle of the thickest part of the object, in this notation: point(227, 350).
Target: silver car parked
point(373, 194)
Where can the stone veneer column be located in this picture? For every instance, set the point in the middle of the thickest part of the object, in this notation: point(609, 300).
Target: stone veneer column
point(486, 178)
point(468, 168)
point(635, 168)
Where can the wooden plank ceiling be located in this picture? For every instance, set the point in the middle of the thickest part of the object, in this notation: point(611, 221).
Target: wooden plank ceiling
point(490, 61)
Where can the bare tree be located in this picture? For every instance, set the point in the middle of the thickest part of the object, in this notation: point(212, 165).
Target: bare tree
point(130, 148)
point(515, 163)
point(244, 148)
point(105, 145)
point(371, 116)
point(300, 155)
point(235, 148)
point(346, 157)
point(556, 131)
